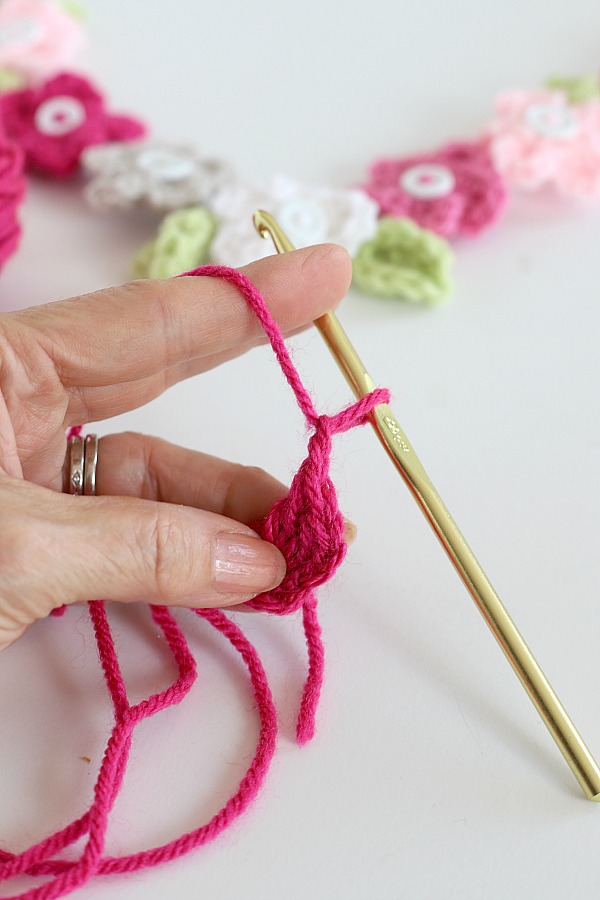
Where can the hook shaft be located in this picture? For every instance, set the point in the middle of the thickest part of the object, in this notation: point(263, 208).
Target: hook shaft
point(474, 578)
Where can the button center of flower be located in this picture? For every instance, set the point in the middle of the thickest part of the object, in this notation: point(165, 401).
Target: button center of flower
point(166, 165)
point(59, 115)
point(427, 181)
point(20, 32)
point(305, 221)
point(552, 121)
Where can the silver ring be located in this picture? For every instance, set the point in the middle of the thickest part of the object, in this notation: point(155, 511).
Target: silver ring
point(83, 464)
point(76, 464)
point(90, 465)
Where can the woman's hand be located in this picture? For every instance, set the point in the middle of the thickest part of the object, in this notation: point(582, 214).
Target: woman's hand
point(172, 526)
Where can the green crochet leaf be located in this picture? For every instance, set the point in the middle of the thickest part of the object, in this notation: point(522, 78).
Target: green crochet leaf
point(182, 243)
point(10, 81)
point(76, 9)
point(405, 261)
point(577, 90)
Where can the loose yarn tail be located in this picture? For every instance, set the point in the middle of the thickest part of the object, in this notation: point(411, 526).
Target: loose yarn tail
point(305, 726)
point(67, 875)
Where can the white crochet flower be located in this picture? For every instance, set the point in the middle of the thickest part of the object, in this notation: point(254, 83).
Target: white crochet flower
point(165, 176)
point(308, 215)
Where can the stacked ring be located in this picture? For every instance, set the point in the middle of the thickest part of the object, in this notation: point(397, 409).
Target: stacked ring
point(83, 462)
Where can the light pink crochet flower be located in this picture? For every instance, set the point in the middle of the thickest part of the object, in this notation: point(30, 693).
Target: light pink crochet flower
point(537, 137)
point(55, 122)
point(453, 191)
point(37, 37)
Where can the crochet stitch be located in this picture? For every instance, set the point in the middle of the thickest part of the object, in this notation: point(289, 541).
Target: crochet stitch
point(453, 191)
point(308, 528)
point(406, 262)
point(56, 121)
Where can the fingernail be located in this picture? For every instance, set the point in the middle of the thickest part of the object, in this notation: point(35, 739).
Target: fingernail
point(244, 564)
point(350, 532)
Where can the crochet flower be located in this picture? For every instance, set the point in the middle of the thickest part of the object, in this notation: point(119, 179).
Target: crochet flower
point(405, 261)
point(308, 215)
point(12, 191)
point(56, 121)
point(37, 37)
point(165, 176)
point(537, 138)
point(454, 191)
point(182, 244)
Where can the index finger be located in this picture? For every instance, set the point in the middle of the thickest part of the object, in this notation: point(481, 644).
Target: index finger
point(138, 331)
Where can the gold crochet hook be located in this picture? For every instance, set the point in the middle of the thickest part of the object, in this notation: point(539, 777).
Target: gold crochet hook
point(474, 578)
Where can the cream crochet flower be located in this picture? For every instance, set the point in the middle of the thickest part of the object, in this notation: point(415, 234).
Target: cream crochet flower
point(164, 176)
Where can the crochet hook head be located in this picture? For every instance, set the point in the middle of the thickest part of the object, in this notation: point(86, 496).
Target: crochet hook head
point(328, 324)
point(474, 578)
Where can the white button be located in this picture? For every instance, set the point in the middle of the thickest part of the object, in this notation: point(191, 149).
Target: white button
point(21, 32)
point(164, 164)
point(552, 121)
point(59, 115)
point(427, 181)
point(304, 221)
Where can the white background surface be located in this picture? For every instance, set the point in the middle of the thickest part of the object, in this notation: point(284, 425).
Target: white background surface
point(431, 775)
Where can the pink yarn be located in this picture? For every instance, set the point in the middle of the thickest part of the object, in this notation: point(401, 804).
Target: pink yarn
point(469, 197)
point(55, 122)
point(12, 191)
point(308, 528)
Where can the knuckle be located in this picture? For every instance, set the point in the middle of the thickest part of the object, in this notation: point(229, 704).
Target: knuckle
point(15, 550)
point(130, 290)
point(24, 596)
point(255, 472)
point(226, 488)
point(234, 481)
point(169, 556)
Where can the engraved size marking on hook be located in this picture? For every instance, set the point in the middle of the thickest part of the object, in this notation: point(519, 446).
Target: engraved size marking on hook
point(396, 433)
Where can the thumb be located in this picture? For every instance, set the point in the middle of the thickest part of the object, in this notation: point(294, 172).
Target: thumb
point(56, 549)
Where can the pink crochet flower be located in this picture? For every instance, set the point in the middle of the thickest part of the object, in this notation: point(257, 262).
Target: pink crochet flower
point(454, 191)
point(37, 37)
point(537, 137)
point(56, 121)
point(12, 191)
